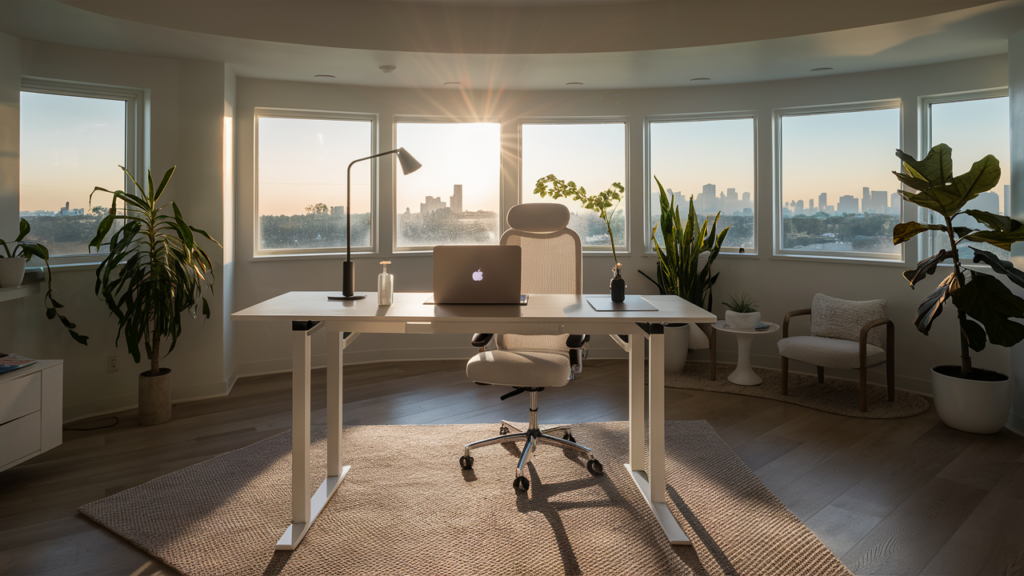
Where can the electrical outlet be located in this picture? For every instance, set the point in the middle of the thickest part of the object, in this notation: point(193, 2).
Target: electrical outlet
point(111, 364)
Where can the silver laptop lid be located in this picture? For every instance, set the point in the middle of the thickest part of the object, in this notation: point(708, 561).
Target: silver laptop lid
point(477, 274)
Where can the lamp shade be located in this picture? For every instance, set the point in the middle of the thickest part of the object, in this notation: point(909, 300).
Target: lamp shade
point(409, 164)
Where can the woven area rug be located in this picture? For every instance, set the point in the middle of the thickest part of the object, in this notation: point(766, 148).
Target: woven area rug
point(834, 395)
point(407, 508)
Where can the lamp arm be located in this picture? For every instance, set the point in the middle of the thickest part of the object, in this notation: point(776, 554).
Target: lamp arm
point(348, 203)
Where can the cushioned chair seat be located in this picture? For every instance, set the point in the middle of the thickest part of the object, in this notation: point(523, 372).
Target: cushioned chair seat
point(829, 352)
point(525, 368)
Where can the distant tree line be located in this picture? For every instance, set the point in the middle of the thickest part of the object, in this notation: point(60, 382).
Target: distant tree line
point(863, 232)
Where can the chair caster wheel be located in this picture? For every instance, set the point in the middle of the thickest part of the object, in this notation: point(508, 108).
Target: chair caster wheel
point(503, 430)
point(521, 484)
point(569, 437)
point(595, 468)
point(466, 462)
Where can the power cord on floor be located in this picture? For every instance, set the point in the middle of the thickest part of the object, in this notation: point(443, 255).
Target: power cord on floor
point(116, 420)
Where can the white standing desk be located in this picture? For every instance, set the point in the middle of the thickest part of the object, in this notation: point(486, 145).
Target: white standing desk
point(549, 314)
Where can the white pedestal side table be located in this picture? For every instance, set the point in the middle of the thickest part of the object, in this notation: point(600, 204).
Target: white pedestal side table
point(742, 375)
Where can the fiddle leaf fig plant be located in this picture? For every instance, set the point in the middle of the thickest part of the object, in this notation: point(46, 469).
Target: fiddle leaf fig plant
point(600, 203)
point(29, 250)
point(985, 306)
point(155, 270)
point(679, 267)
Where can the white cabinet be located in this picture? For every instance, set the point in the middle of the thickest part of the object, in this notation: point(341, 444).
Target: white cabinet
point(31, 411)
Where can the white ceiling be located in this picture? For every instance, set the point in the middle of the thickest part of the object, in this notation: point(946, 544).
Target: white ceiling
point(967, 33)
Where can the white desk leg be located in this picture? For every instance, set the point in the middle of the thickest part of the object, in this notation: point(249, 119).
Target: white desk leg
point(637, 442)
point(653, 485)
point(305, 509)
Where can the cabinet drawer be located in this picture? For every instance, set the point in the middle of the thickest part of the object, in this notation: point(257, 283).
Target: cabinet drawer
point(20, 397)
point(19, 438)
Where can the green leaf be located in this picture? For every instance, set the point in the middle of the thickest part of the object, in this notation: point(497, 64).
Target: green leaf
point(973, 333)
point(926, 267)
point(991, 302)
point(163, 183)
point(1000, 266)
point(931, 307)
point(23, 230)
point(994, 221)
point(936, 167)
point(904, 232)
point(982, 177)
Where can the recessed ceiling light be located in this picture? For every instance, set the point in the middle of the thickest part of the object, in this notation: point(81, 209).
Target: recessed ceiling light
point(324, 76)
point(699, 79)
point(453, 83)
point(821, 69)
point(387, 68)
point(574, 83)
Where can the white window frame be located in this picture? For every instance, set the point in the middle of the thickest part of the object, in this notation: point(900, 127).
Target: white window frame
point(778, 228)
point(926, 242)
point(567, 120)
point(422, 119)
point(648, 176)
point(136, 143)
point(261, 112)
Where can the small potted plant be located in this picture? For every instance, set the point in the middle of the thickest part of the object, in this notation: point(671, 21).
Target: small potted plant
point(741, 312)
point(966, 398)
point(155, 271)
point(12, 272)
point(600, 203)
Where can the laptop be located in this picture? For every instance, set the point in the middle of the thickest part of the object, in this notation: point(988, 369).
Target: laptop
point(477, 274)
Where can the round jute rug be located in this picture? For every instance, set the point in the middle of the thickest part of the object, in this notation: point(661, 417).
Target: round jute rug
point(834, 395)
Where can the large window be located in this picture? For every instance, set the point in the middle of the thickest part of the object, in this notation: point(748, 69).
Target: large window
point(455, 198)
point(837, 194)
point(593, 155)
point(73, 138)
point(301, 181)
point(973, 128)
point(710, 161)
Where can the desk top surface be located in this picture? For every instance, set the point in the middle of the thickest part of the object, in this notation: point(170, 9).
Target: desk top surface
point(410, 307)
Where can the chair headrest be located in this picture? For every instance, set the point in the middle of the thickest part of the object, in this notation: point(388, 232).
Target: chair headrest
point(540, 218)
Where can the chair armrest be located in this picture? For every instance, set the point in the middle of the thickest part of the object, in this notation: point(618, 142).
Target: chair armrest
point(481, 340)
point(890, 333)
point(785, 323)
point(576, 340)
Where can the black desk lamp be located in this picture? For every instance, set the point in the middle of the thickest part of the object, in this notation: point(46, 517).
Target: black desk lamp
point(348, 285)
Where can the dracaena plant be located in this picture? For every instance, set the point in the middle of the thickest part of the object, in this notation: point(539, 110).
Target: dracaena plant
point(985, 305)
point(679, 269)
point(604, 203)
point(155, 270)
point(29, 250)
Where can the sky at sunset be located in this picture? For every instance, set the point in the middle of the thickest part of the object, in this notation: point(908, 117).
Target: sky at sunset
point(973, 129)
point(591, 155)
point(69, 145)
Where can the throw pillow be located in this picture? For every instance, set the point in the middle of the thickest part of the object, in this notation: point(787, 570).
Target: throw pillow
point(843, 319)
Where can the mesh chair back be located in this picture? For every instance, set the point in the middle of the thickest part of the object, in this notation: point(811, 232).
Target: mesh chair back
point(552, 264)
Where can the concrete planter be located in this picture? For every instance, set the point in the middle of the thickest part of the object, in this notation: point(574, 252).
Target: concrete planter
point(12, 272)
point(155, 398)
point(742, 320)
point(677, 346)
point(977, 406)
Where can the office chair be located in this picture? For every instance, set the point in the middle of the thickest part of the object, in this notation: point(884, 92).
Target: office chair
point(552, 263)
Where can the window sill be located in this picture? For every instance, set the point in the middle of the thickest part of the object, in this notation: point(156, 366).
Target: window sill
point(838, 260)
point(27, 288)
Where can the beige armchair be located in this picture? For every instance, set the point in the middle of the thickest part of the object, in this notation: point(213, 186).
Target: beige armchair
point(844, 334)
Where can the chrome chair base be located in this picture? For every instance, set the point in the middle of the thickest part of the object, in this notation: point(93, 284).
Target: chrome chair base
point(532, 437)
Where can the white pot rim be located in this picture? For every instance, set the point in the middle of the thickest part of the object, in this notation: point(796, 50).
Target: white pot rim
point(1004, 377)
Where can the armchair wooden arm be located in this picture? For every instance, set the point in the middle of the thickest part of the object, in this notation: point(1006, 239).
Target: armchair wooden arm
point(890, 353)
point(785, 322)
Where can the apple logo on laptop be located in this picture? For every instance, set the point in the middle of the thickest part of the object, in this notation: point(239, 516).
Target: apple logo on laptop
point(478, 275)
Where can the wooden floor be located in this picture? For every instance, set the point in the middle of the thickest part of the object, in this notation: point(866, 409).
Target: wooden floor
point(908, 496)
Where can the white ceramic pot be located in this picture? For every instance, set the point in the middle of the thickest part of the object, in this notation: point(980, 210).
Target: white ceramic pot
point(971, 405)
point(155, 398)
point(742, 320)
point(12, 272)
point(677, 346)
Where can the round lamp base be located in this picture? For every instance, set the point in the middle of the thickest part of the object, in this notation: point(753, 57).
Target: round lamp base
point(352, 297)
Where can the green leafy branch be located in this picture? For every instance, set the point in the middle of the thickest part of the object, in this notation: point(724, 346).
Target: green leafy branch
point(552, 187)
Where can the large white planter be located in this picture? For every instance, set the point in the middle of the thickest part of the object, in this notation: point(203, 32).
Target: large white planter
point(971, 405)
point(677, 346)
point(12, 272)
point(742, 320)
point(155, 398)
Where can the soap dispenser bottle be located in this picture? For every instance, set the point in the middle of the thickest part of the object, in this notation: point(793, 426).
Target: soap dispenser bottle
point(385, 286)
